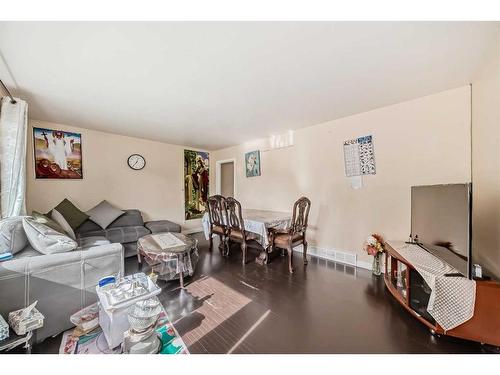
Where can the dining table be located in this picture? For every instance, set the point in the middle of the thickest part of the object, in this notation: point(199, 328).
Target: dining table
point(259, 222)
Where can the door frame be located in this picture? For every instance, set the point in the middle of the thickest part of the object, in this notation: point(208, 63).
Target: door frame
point(218, 184)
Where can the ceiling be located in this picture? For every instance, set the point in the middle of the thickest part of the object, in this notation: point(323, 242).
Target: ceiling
point(216, 84)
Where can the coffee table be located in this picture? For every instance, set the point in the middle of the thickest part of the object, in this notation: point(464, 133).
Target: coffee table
point(172, 262)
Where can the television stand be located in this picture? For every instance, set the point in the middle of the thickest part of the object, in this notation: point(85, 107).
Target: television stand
point(410, 290)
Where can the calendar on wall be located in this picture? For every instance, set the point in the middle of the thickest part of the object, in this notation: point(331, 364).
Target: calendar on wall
point(359, 157)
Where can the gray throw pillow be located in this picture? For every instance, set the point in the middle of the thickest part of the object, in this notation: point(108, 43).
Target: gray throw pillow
point(104, 214)
point(60, 220)
point(12, 236)
point(73, 215)
point(45, 239)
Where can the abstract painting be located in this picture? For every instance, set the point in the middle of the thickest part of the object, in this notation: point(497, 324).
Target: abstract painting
point(196, 182)
point(252, 163)
point(58, 154)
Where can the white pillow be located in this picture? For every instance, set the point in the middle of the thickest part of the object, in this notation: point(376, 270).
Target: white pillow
point(59, 219)
point(45, 239)
point(12, 236)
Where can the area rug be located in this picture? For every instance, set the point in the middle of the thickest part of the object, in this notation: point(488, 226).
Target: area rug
point(93, 342)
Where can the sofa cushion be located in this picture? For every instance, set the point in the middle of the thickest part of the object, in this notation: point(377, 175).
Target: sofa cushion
point(87, 226)
point(129, 249)
point(104, 214)
point(131, 218)
point(159, 226)
point(27, 252)
point(86, 242)
point(120, 235)
point(59, 219)
point(45, 239)
point(73, 215)
point(12, 236)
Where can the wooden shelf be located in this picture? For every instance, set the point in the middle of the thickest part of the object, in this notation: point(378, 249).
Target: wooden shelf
point(402, 294)
point(483, 327)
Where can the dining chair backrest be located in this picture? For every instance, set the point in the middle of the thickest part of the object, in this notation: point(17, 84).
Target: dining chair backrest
point(234, 214)
point(300, 216)
point(216, 210)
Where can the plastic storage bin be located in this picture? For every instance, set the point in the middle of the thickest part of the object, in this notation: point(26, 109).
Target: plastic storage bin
point(113, 318)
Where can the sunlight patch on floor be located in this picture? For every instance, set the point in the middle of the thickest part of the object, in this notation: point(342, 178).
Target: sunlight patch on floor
point(221, 302)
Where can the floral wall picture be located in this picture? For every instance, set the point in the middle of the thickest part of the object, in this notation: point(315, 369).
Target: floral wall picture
point(196, 181)
point(58, 154)
point(252, 163)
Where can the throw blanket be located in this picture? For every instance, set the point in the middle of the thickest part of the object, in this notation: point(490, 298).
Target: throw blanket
point(452, 298)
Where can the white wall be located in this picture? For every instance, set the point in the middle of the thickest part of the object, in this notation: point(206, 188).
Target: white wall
point(157, 190)
point(485, 164)
point(422, 141)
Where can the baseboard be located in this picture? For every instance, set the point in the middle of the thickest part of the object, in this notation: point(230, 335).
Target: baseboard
point(363, 264)
point(336, 255)
point(192, 230)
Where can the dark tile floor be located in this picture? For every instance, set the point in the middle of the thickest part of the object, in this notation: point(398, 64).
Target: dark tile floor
point(325, 307)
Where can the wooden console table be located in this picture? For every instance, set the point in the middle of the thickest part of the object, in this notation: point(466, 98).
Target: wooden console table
point(402, 281)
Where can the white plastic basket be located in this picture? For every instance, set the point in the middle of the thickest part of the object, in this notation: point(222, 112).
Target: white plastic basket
point(113, 318)
point(153, 290)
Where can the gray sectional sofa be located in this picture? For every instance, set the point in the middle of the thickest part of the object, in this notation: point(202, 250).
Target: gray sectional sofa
point(62, 283)
point(127, 229)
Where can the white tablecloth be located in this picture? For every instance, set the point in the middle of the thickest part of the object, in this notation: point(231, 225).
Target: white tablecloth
point(452, 299)
point(258, 222)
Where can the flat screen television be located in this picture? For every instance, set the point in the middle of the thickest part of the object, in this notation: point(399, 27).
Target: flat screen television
point(441, 218)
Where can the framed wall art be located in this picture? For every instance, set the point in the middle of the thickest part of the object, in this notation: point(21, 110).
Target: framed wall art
point(58, 154)
point(196, 182)
point(252, 163)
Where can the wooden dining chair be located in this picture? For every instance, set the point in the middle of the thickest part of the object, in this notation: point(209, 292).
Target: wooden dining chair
point(236, 228)
point(216, 212)
point(296, 233)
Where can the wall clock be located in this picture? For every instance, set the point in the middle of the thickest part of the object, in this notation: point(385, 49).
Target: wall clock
point(136, 162)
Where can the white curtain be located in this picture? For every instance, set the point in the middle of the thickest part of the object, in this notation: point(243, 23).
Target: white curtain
point(13, 133)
